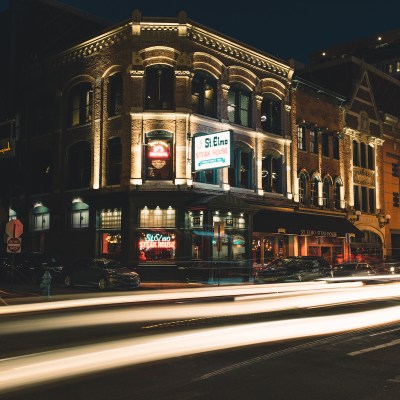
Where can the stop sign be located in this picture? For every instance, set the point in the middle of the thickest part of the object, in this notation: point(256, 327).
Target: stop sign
point(14, 228)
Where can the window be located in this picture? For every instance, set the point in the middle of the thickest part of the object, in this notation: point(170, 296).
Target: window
point(159, 83)
point(158, 155)
point(356, 158)
point(326, 189)
point(314, 192)
point(364, 199)
point(241, 174)
point(79, 165)
point(114, 161)
point(110, 218)
point(204, 94)
point(325, 144)
point(41, 172)
point(206, 176)
point(336, 195)
point(357, 201)
point(395, 170)
point(80, 104)
point(314, 141)
point(79, 215)
point(115, 94)
point(272, 173)
point(335, 146)
point(41, 218)
point(371, 157)
point(239, 105)
point(157, 218)
point(363, 154)
point(271, 115)
point(301, 137)
point(396, 199)
point(303, 188)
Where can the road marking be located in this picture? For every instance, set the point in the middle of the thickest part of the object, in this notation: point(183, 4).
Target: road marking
point(382, 333)
point(395, 379)
point(3, 301)
point(368, 349)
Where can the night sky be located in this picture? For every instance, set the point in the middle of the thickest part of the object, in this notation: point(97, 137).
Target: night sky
point(286, 28)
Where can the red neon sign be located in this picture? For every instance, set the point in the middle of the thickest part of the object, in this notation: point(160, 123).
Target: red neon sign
point(158, 150)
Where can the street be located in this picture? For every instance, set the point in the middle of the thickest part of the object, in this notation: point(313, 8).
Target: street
point(279, 341)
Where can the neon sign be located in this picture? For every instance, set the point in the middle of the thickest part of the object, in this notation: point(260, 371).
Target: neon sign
point(156, 241)
point(158, 149)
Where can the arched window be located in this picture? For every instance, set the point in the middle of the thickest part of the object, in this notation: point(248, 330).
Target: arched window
point(271, 110)
point(41, 172)
point(272, 173)
point(115, 94)
point(79, 165)
point(336, 195)
point(114, 161)
point(326, 191)
point(239, 104)
point(80, 101)
point(241, 174)
point(159, 83)
point(356, 157)
point(303, 193)
point(204, 94)
point(314, 191)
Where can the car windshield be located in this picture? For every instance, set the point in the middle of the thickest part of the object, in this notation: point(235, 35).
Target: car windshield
point(108, 264)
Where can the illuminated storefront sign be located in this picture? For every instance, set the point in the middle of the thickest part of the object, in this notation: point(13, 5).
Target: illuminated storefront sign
point(212, 150)
point(310, 232)
point(7, 148)
point(158, 149)
point(156, 241)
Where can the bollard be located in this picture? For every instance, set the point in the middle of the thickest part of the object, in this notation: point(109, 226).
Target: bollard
point(45, 284)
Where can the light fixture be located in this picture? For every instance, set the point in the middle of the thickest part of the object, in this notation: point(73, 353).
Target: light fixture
point(263, 118)
point(383, 220)
point(354, 216)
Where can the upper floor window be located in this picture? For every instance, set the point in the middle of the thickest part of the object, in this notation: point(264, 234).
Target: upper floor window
point(314, 191)
point(303, 194)
point(80, 103)
point(336, 195)
point(114, 161)
point(79, 165)
point(158, 155)
point(301, 137)
point(335, 146)
point(326, 192)
point(356, 154)
point(241, 174)
point(363, 155)
point(204, 94)
point(325, 144)
point(314, 141)
point(159, 83)
point(272, 173)
point(371, 157)
point(239, 110)
point(115, 94)
point(271, 110)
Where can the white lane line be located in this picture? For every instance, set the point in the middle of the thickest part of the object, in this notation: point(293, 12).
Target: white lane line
point(395, 379)
point(383, 332)
point(368, 349)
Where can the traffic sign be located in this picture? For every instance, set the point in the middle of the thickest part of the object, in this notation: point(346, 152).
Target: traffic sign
point(13, 245)
point(14, 228)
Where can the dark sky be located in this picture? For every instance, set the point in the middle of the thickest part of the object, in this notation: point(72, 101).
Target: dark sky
point(286, 28)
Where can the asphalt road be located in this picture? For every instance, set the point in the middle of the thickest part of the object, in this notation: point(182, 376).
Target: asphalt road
point(346, 364)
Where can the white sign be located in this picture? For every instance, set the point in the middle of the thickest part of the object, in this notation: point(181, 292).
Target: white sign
point(13, 245)
point(212, 150)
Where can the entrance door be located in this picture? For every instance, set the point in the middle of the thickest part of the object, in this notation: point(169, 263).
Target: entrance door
point(326, 252)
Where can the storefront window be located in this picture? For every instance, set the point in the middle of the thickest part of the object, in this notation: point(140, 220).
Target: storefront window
point(157, 246)
point(157, 218)
point(110, 236)
point(111, 244)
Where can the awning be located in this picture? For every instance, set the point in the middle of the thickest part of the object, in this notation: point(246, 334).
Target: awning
point(303, 224)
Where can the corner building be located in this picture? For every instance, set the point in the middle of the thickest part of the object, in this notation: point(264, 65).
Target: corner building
point(106, 139)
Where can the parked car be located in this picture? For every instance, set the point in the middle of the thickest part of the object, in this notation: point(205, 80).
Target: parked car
point(30, 267)
point(391, 268)
point(102, 273)
point(352, 269)
point(293, 269)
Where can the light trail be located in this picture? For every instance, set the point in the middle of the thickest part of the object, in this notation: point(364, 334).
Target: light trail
point(170, 295)
point(37, 369)
point(244, 305)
